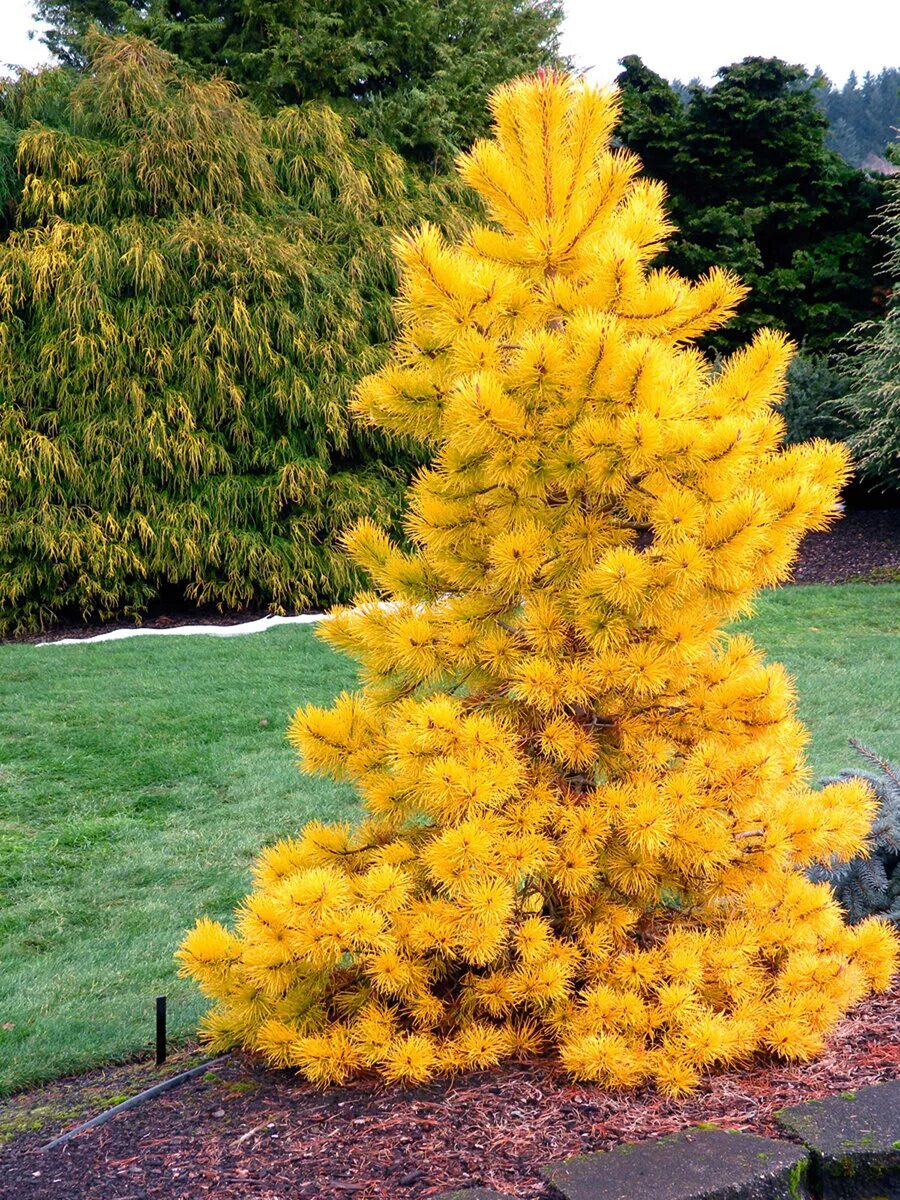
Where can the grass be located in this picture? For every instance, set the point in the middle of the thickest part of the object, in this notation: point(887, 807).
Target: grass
point(842, 645)
point(137, 785)
point(139, 778)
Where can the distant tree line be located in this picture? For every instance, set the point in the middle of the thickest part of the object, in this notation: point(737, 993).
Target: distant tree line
point(863, 115)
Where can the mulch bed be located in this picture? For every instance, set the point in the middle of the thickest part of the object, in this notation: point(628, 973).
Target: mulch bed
point(250, 1133)
point(863, 545)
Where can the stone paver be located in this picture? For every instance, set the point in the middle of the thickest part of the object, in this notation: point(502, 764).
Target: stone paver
point(699, 1164)
point(854, 1141)
point(471, 1194)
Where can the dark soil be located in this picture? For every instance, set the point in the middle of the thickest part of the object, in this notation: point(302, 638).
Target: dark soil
point(864, 545)
point(158, 616)
point(243, 1132)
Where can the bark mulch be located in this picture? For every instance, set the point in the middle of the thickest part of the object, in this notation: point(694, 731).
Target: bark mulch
point(864, 545)
point(248, 1133)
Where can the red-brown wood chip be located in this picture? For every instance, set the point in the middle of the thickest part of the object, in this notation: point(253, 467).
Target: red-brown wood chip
point(266, 1135)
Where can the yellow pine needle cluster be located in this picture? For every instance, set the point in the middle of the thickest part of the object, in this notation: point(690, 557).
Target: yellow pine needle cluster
point(587, 809)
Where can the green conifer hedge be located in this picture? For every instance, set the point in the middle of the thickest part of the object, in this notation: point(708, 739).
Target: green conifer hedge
point(187, 296)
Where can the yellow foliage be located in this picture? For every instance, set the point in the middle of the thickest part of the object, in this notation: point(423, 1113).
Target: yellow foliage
point(587, 808)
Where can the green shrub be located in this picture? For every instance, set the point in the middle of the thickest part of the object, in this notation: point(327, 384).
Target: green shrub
point(186, 300)
point(870, 886)
point(812, 389)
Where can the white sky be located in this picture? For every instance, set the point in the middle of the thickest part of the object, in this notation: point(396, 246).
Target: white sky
point(16, 20)
point(684, 39)
point(678, 38)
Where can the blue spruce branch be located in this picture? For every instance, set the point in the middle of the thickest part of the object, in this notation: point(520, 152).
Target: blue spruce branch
point(870, 885)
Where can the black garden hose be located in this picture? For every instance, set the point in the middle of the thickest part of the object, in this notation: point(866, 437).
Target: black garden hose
point(133, 1101)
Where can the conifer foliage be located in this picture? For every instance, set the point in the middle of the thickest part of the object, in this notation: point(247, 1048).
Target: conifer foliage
point(870, 883)
point(186, 300)
point(872, 403)
point(753, 186)
point(413, 73)
point(587, 810)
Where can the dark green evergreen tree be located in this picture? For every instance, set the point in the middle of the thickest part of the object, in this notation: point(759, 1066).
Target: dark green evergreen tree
point(753, 187)
point(654, 123)
point(414, 73)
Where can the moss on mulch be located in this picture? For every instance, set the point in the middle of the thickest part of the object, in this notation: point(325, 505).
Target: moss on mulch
point(243, 1132)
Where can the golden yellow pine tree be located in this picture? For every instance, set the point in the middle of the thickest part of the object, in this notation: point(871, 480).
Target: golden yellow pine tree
point(587, 809)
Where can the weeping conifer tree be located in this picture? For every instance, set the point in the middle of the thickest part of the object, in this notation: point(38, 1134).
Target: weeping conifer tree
point(587, 811)
point(872, 403)
point(187, 297)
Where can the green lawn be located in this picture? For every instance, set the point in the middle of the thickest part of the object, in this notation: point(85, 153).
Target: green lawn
point(137, 785)
point(842, 645)
point(137, 782)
